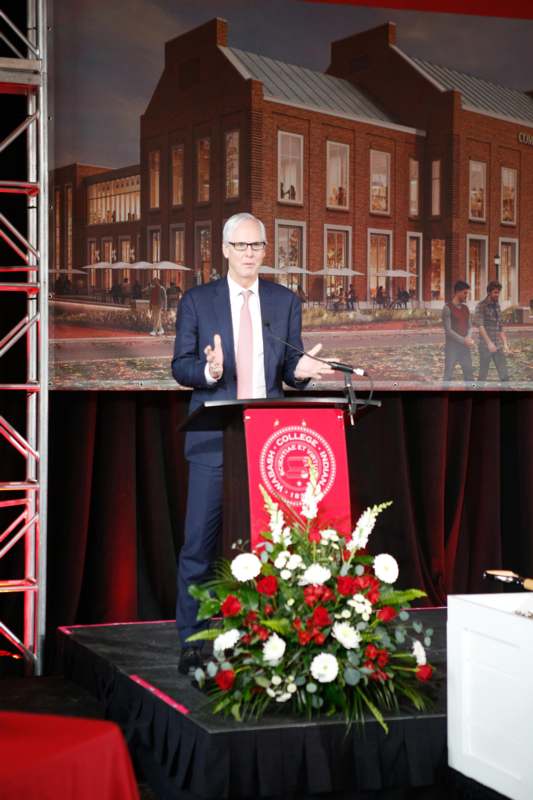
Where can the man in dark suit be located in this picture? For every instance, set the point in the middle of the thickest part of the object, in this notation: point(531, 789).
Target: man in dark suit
point(225, 349)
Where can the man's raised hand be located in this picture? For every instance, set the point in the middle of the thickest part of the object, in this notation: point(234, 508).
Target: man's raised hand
point(215, 358)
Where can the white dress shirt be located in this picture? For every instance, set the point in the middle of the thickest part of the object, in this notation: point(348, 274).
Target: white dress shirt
point(236, 302)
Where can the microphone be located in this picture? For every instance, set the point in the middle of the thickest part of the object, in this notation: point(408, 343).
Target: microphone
point(338, 366)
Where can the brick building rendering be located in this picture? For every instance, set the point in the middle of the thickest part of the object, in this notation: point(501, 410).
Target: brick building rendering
point(383, 171)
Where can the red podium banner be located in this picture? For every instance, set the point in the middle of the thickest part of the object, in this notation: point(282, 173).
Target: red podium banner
point(280, 445)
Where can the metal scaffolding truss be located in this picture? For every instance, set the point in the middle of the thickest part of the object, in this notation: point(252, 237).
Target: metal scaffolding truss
point(23, 502)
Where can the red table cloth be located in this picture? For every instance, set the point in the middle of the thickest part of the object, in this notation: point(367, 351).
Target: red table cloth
point(45, 757)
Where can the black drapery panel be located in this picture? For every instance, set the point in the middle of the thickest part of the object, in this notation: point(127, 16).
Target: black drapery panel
point(459, 468)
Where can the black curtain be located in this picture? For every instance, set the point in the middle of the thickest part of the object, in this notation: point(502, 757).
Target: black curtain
point(458, 466)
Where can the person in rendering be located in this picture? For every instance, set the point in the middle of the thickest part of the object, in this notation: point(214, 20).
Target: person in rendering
point(458, 342)
point(158, 304)
point(227, 347)
point(493, 345)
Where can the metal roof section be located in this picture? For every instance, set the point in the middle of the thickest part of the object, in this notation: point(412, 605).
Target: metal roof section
point(479, 94)
point(305, 88)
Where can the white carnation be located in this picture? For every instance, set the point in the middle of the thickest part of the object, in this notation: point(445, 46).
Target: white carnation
point(226, 640)
point(362, 606)
point(419, 653)
point(285, 574)
point(329, 535)
point(346, 635)
point(294, 561)
point(276, 680)
point(386, 568)
point(273, 650)
point(245, 567)
point(315, 574)
point(324, 668)
point(282, 698)
point(281, 559)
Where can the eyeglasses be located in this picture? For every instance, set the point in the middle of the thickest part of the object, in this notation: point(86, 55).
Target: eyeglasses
point(240, 247)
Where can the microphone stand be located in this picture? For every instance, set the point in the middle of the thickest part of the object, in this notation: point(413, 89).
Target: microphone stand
point(349, 391)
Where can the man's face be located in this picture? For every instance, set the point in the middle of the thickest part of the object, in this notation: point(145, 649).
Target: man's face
point(462, 295)
point(494, 295)
point(244, 266)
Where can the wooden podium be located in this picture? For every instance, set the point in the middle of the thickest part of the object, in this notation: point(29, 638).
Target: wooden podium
point(270, 442)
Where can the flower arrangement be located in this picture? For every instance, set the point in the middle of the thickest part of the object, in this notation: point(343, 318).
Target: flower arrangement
point(312, 621)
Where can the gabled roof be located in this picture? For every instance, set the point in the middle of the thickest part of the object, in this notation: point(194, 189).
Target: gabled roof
point(298, 86)
point(479, 94)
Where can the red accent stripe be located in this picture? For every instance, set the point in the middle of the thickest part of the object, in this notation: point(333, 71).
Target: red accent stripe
point(521, 9)
point(159, 694)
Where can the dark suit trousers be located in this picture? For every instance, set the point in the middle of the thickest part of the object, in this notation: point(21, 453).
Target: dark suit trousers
point(203, 524)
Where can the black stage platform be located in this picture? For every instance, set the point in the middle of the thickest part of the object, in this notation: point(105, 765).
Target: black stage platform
point(186, 752)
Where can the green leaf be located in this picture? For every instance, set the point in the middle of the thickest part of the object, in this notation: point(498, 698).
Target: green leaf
point(236, 712)
point(417, 626)
point(206, 635)
point(359, 570)
point(277, 625)
point(311, 687)
point(300, 680)
point(199, 677)
point(352, 676)
point(264, 556)
point(208, 608)
point(316, 701)
point(404, 616)
point(427, 641)
point(269, 547)
point(354, 658)
point(374, 710)
point(262, 681)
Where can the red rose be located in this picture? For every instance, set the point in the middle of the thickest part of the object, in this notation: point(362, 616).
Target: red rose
point(246, 638)
point(267, 585)
point(383, 658)
point(250, 618)
point(327, 594)
point(378, 675)
point(319, 637)
point(424, 672)
point(268, 609)
point(311, 595)
point(373, 596)
point(231, 606)
point(304, 637)
point(386, 613)
point(263, 633)
point(371, 651)
point(345, 585)
point(314, 536)
point(225, 678)
point(297, 624)
point(320, 617)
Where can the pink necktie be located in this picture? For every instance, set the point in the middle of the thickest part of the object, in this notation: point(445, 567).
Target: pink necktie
point(245, 350)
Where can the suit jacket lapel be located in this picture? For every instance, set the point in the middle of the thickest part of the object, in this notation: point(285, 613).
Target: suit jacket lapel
point(223, 323)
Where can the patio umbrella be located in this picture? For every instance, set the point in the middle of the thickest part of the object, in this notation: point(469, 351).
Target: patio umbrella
point(99, 265)
point(337, 272)
point(396, 273)
point(67, 271)
point(266, 270)
point(170, 265)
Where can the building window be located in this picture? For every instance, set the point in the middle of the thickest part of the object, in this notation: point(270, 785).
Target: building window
point(114, 201)
point(476, 271)
point(57, 229)
point(338, 169)
point(508, 275)
point(202, 252)
point(125, 249)
point(509, 184)
point(177, 175)
point(91, 259)
point(154, 245)
point(437, 271)
point(154, 168)
point(435, 188)
point(231, 152)
point(337, 247)
point(414, 188)
point(290, 167)
point(290, 252)
point(414, 265)
point(379, 182)
point(203, 169)
point(68, 227)
point(177, 252)
point(478, 183)
point(379, 250)
point(107, 255)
